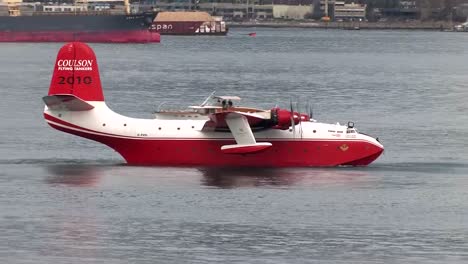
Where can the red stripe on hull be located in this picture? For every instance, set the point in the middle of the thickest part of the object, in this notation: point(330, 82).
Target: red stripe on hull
point(206, 152)
point(124, 36)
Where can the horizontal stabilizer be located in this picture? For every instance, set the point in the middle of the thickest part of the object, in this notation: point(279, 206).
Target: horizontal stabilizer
point(245, 149)
point(67, 102)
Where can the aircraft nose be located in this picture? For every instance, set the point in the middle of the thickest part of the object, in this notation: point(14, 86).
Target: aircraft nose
point(375, 142)
point(379, 143)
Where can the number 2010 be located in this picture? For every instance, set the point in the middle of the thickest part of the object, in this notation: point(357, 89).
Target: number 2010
point(75, 80)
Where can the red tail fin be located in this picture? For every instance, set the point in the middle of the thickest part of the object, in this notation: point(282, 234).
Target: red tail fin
point(76, 72)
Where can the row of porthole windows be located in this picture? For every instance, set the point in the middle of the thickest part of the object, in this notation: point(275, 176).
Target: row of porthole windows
point(159, 128)
point(315, 131)
point(104, 124)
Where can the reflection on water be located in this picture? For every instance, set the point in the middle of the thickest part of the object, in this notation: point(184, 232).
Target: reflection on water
point(87, 175)
point(75, 175)
point(220, 177)
point(247, 177)
point(258, 177)
point(178, 215)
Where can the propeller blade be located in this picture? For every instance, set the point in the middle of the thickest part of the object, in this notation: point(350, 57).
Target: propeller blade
point(291, 113)
point(208, 98)
point(311, 112)
point(300, 117)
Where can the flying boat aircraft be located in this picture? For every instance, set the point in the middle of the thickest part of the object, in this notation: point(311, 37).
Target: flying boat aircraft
point(218, 132)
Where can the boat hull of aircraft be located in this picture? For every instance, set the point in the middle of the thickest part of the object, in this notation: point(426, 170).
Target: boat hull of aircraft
point(177, 151)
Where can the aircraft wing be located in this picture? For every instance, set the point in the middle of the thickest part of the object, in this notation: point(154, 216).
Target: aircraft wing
point(240, 126)
point(218, 120)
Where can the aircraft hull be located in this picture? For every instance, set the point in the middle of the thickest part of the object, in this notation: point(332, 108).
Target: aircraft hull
point(207, 151)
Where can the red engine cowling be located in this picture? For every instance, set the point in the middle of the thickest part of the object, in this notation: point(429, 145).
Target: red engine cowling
point(281, 118)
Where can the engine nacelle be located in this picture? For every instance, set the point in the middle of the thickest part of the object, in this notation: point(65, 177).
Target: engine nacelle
point(281, 118)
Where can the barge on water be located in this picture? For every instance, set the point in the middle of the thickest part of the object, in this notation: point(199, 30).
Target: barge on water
point(84, 26)
point(188, 23)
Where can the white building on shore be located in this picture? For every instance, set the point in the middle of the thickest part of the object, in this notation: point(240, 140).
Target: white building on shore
point(340, 10)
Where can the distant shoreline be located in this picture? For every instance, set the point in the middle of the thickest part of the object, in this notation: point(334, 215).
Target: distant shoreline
point(431, 25)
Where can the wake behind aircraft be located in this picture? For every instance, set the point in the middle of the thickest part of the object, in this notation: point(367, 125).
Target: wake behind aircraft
point(217, 132)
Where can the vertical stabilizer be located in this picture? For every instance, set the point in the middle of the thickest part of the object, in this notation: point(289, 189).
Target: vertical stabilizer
point(76, 73)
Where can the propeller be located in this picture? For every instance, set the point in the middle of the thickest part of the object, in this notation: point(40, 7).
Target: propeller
point(208, 99)
point(300, 118)
point(160, 105)
point(293, 125)
point(310, 110)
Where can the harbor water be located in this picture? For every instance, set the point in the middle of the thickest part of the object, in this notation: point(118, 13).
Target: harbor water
point(64, 199)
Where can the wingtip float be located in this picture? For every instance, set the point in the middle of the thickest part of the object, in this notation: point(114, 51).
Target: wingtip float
point(215, 133)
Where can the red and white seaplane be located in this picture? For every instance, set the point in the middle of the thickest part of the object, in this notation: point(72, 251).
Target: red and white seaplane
point(215, 133)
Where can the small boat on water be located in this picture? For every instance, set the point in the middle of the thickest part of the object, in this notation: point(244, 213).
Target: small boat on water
point(462, 27)
point(217, 132)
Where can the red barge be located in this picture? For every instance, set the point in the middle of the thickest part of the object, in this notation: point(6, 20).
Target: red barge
point(98, 27)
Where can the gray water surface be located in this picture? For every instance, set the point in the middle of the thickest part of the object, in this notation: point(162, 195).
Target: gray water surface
point(64, 199)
